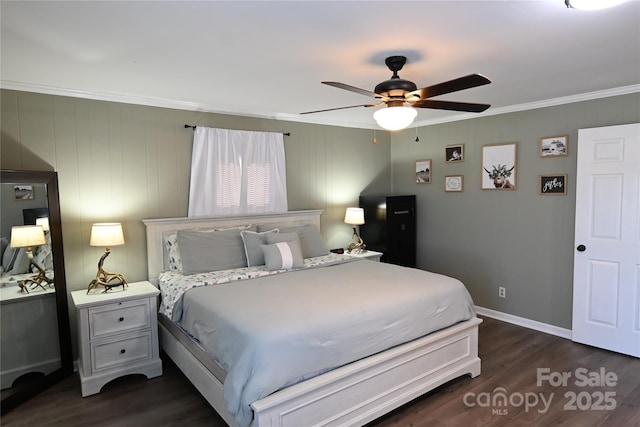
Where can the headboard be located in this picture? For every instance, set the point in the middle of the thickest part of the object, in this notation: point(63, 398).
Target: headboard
point(158, 229)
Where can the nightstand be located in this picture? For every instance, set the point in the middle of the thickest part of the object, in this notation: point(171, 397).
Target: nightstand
point(117, 334)
point(370, 255)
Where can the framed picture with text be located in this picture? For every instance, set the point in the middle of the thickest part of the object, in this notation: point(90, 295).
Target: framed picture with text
point(453, 183)
point(553, 185)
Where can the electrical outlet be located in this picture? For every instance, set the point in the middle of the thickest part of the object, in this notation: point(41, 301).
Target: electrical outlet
point(502, 292)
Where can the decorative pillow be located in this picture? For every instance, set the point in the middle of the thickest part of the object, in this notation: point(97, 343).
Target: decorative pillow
point(252, 241)
point(201, 252)
point(171, 243)
point(282, 237)
point(9, 257)
point(4, 244)
point(44, 257)
point(311, 241)
point(283, 255)
point(20, 263)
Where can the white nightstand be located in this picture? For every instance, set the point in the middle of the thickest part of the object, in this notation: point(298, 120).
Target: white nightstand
point(370, 255)
point(117, 334)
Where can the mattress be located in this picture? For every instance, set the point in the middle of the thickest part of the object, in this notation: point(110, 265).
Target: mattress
point(273, 331)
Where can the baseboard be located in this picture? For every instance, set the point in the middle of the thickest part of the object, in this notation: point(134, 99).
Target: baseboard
point(526, 323)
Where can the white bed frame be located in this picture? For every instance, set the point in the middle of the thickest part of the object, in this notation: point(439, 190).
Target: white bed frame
point(348, 396)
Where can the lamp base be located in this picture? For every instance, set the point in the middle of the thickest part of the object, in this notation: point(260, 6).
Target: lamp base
point(106, 279)
point(357, 247)
point(36, 280)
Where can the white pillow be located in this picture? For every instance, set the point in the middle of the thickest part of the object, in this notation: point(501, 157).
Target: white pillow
point(283, 255)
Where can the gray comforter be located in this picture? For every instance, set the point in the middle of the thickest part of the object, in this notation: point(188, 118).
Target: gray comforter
point(274, 331)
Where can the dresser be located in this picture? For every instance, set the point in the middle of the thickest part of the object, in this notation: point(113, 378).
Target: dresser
point(117, 334)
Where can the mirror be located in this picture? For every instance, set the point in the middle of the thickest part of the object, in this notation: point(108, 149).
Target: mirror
point(35, 341)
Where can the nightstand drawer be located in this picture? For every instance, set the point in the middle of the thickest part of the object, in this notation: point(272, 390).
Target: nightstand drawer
point(118, 317)
point(109, 354)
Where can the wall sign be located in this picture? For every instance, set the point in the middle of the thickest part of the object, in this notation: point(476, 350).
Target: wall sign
point(553, 184)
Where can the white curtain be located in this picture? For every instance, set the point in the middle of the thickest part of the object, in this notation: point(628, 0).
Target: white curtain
point(237, 172)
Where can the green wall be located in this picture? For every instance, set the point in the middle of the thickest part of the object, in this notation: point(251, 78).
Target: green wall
point(517, 239)
point(122, 162)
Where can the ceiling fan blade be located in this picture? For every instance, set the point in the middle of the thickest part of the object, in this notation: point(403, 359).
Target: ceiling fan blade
point(461, 83)
point(354, 89)
point(451, 105)
point(342, 108)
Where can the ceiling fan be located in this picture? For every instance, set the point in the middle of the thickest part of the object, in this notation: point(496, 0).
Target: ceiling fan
point(397, 92)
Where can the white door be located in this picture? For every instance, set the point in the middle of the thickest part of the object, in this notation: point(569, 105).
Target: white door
point(606, 277)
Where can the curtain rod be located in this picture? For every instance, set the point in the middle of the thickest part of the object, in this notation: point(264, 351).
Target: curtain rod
point(194, 128)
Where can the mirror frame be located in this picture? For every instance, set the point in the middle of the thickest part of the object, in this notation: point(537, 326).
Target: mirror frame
point(50, 179)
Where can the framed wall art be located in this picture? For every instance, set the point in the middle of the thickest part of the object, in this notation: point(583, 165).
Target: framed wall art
point(499, 166)
point(553, 185)
point(453, 183)
point(554, 146)
point(23, 192)
point(454, 153)
point(423, 171)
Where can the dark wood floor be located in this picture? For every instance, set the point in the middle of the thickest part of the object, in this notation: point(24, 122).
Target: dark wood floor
point(510, 357)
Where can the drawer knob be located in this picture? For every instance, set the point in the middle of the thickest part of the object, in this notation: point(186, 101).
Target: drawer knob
point(121, 319)
point(123, 351)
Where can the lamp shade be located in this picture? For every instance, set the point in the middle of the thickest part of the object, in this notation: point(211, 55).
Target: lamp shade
point(43, 222)
point(26, 236)
point(395, 118)
point(107, 234)
point(354, 216)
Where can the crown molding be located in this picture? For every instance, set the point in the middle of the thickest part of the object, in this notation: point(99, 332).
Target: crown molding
point(193, 106)
point(100, 96)
point(624, 90)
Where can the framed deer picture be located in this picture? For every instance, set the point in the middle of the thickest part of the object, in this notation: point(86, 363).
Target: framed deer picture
point(499, 166)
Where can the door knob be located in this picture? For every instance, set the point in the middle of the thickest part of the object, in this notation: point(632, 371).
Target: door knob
point(581, 248)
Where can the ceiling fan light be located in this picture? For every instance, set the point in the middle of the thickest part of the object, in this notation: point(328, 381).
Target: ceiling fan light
point(592, 4)
point(395, 118)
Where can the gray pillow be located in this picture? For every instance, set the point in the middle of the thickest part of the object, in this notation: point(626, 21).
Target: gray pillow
point(311, 241)
point(282, 237)
point(21, 263)
point(4, 244)
point(252, 250)
point(283, 255)
point(9, 257)
point(201, 252)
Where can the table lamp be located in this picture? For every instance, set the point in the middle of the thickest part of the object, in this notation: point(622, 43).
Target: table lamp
point(106, 234)
point(355, 216)
point(27, 236)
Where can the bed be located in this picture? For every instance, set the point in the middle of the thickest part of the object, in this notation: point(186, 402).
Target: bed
point(336, 392)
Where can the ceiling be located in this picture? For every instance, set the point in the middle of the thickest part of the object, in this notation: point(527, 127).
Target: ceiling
point(267, 58)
